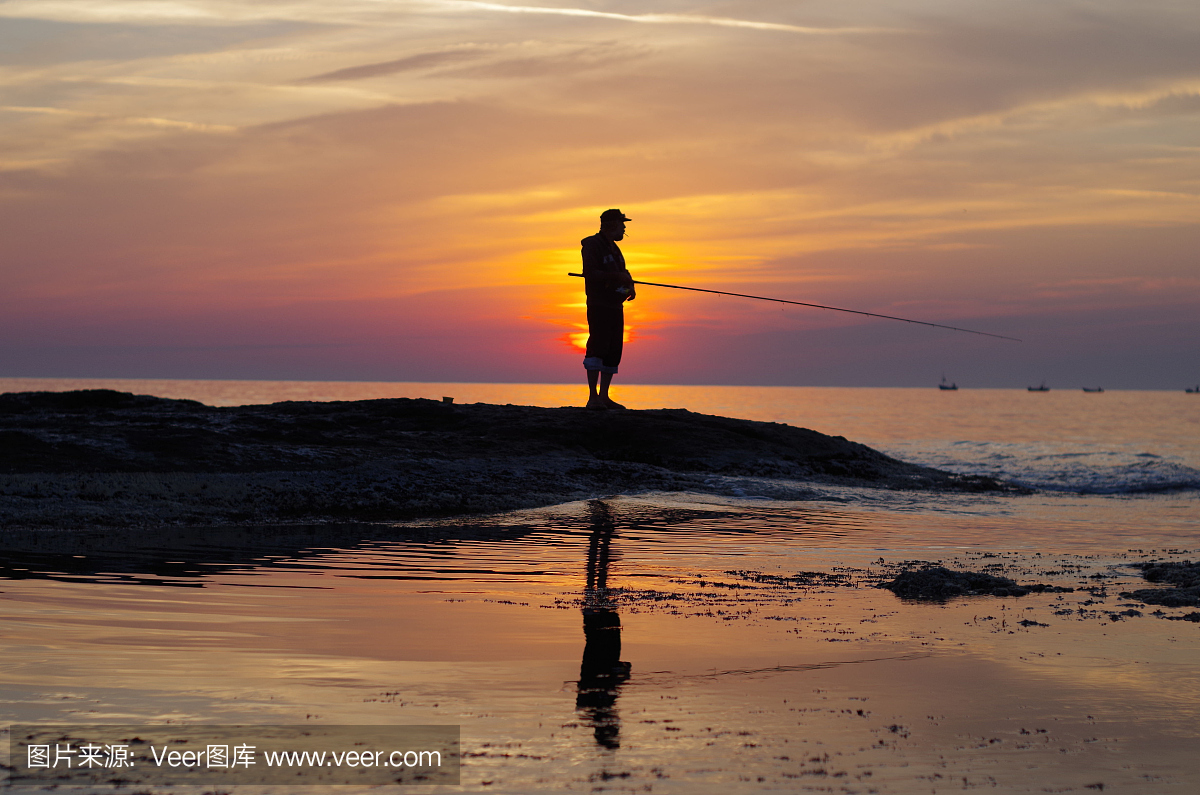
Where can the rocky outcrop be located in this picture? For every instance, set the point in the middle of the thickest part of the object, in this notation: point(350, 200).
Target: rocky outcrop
point(938, 584)
point(105, 458)
point(1184, 576)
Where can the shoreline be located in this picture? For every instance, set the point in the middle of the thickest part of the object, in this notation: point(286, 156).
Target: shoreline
point(101, 458)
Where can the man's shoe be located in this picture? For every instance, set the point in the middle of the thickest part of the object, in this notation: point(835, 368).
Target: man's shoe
point(612, 404)
point(597, 403)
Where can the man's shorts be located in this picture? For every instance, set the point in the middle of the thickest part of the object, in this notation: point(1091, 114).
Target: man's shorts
point(606, 333)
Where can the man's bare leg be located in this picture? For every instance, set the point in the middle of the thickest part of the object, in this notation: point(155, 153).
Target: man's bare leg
point(605, 381)
point(598, 384)
point(595, 401)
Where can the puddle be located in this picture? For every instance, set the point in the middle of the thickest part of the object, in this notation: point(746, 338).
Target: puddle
point(662, 644)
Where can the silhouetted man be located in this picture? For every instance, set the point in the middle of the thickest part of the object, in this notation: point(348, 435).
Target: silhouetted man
point(609, 286)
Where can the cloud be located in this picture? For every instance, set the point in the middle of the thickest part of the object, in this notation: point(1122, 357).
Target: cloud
point(542, 59)
point(425, 60)
point(995, 162)
point(175, 124)
point(109, 11)
point(219, 12)
point(557, 61)
point(657, 19)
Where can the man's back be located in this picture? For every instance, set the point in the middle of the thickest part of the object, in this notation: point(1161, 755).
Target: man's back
point(603, 270)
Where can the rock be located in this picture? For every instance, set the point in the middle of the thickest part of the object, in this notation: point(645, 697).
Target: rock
point(937, 583)
point(1184, 575)
point(105, 458)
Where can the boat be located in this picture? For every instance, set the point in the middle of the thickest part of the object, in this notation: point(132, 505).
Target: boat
point(1097, 389)
point(1193, 390)
point(1042, 388)
point(947, 387)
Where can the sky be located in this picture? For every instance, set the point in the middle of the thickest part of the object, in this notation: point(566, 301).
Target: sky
point(395, 190)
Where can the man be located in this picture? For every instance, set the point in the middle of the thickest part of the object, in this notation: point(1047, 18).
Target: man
point(608, 286)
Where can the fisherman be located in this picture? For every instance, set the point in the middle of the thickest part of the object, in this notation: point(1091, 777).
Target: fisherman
point(608, 286)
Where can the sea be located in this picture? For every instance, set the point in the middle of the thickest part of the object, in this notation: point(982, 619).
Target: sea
point(651, 642)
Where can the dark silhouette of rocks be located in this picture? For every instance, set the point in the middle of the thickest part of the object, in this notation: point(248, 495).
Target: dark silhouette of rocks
point(106, 458)
point(1184, 575)
point(938, 584)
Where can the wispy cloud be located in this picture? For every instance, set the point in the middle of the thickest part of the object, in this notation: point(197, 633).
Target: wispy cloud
point(155, 12)
point(177, 124)
point(994, 157)
point(129, 11)
point(1080, 109)
point(425, 60)
point(658, 19)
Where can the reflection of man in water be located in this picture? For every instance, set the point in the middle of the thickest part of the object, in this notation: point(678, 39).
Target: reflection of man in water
point(608, 286)
point(601, 672)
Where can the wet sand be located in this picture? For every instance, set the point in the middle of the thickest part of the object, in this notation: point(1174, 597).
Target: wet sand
point(762, 656)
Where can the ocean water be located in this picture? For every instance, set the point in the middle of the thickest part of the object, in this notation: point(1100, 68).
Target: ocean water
point(760, 658)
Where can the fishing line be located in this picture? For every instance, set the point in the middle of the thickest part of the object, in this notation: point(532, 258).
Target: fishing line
point(819, 306)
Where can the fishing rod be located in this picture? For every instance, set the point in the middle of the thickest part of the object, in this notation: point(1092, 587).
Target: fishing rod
point(818, 306)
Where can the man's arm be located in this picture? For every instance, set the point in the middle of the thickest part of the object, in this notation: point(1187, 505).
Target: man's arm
point(624, 281)
point(595, 272)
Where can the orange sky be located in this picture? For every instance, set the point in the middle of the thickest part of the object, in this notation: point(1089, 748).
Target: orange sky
point(390, 190)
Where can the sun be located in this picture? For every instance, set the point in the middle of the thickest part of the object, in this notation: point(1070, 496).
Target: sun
point(578, 339)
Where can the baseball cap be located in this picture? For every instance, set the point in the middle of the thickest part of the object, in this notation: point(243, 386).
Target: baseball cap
point(613, 215)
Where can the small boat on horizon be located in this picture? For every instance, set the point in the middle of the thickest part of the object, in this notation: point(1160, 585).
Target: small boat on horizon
point(1042, 388)
point(1097, 389)
point(947, 387)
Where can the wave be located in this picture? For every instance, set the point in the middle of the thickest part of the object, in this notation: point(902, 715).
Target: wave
point(1079, 469)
